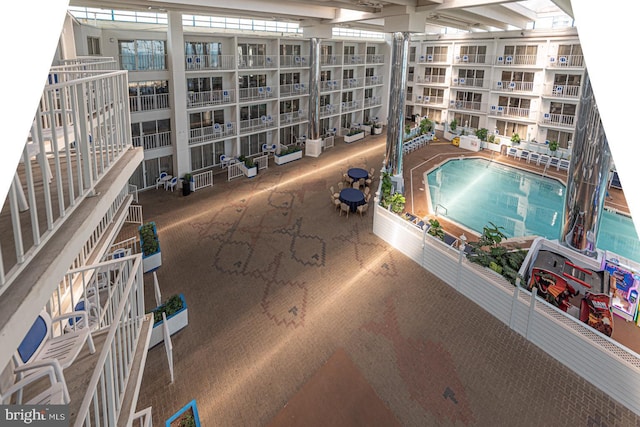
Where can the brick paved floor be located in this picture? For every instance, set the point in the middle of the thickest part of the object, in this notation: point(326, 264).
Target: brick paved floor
point(276, 281)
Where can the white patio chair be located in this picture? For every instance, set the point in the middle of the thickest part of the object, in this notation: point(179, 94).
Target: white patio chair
point(171, 185)
point(563, 164)
point(512, 151)
point(533, 157)
point(161, 179)
point(56, 394)
point(524, 154)
point(543, 160)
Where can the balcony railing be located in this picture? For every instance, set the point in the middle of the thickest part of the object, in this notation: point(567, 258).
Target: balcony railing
point(352, 83)
point(522, 113)
point(158, 101)
point(294, 89)
point(373, 101)
point(373, 80)
point(292, 117)
point(562, 91)
point(516, 59)
point(252, 125)
point(466, 105)
point(476, 58)
point(350, 105)
point(507, 86)
point(375, 59)
point(559, 119)
point(328, 110)
point(153, 141)
point(430, 79)
point(211, 97)
point(256, 93)
point(430, 58)
point(257, 61)
point(566, 61)
point(468, 82)
point(354, 59)
point(329, 85)
point(87, 63)
point(82, 127)
point(212, 133)
point(209, 62)
point(330, 60)
point(143, 62)
point(294, 61)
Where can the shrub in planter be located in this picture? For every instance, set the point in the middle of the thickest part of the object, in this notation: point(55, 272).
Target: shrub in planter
point(150, 247)
point(386, 187)
point(397, 202)
point(453, 125)
point(482, 134)
point(170, 307)
point(553, 146)
point(515, 138)
point(436, 229)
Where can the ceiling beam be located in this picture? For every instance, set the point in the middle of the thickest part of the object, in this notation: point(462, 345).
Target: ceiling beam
point(459, 4)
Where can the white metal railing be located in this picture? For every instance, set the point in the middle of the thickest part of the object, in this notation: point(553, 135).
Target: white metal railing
point(350, 105)
point(375, 59)
point(141, 418)
point(294, 89)
point(262, 161)
point(327, 85)
point(251, 125)
point(209, 62)
point(122, 317)
point(563, 91)
point(234, 170)
point(212, 133)
point(372, 101)
point(143, 61)
point(516, 59)
point(135, 215)
point(473, 58)
point(566, 61)
point(467, 105)
point(514, 86)
point(130, 245)
point(153, 141)
point(292, 117)
point(253, 93)
point(291, 61)
point(430, 79)
point(330, 60)
point(352, 83)
point(133, 190)
point(257, 61)
point(373, 80)
point(158, 101)
point(81, 128)
point(327, 110)
point(468, 82)
point(524, 113)
point(211, 97)
point(202, 180)
point(559, 119)
point(354, 59)
point(591, 352)
point(430, 57)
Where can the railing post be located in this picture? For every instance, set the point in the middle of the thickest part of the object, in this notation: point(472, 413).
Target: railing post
point(514, 305)
point(532, 309)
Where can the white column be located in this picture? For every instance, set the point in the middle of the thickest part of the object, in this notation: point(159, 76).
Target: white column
point(178, 93)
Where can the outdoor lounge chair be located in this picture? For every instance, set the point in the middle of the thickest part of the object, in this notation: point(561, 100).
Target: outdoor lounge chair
point(55, 394)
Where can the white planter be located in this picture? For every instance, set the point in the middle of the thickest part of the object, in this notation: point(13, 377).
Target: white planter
point(176, 322)
point(281, 160)
point(366, 129)
point(491, 146)
point(249, 172)
point(377, 131)
point(353, 138)
point(151, 262)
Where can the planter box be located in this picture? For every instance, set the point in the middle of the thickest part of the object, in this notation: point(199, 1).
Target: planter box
point(281, 160)
point(189, 406)
point(366, 128)
point(176, 322)
point(151, 262)
point(377, 131)
point(249, 172)
point(352, 138)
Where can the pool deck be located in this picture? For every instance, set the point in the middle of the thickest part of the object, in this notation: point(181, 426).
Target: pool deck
point(423, 160)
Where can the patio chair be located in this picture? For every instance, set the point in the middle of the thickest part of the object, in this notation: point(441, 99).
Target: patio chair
point(524, 154)
point(55, 394)
point(336, 202)
point(344, 208)
point(171, 184)
point(362, 209)
point(543, 160)
point(533, 157)
point(161, 179)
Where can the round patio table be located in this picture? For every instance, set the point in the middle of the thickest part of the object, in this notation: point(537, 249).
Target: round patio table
point(352, 197)
point(357, 173)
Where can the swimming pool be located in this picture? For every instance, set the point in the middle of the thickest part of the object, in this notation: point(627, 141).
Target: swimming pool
point(474, 192)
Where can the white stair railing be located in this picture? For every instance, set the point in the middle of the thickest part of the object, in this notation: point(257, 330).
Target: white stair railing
point(168, 345)
point(141, 418)
point(135, 214)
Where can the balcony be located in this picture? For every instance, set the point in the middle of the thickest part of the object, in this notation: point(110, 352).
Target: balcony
point(330, 85)
point(294, 61)
point(375, 59)
point(159, 101)
point(328, 110)
point(566, 61)
point(477, 58)
point(466, 105)
point(152, 141)
point(256, 93)
point(143, 62)
point(433, 58)
point(430, 80)
point(354, 59)
point(516, 60)
point(373, 101)
point(562, 91)
point(293, 117)
point(258, 124)
point(211, 97)
point(295, 89)
point(209, 62)
point(214, 132)
point(373, 80)
point(561, 120)
point(350, 106)
point(468, 82)
point(507, 86)
point(329, 60)
point(513, 112)
point(256, 61)
point(352, 83)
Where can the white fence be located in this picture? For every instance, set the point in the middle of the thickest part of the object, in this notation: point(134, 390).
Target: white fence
point(605, 363)
point(202, 180)
point(234, 170)
point(135, 214)
point(262, 161)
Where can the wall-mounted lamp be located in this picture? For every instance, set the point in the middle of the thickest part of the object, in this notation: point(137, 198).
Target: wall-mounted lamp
point(112, 40)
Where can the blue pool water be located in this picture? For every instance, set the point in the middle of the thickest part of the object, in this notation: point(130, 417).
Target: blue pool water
point(474, 192)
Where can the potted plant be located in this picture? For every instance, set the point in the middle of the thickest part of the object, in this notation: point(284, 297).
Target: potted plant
point(150, 247)
point(426, 126)
point(248, 166)
point(453, 125)
point(397, 201)
point(186, 417)
point(515, 139)
point(385, 187)
point(377, 128)
point(288, 155)
point(407, 129)
point(354, 134)
point(435, 229)
point(175, 308)
point(482, 134)
point(553, 146)
point(187, 181)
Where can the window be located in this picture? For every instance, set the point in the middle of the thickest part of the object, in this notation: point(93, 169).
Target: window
point(289, 134)
point(253, 112)
point(151, 134)
point(289, 106)
point(349, 50)
point(509, 128)
point(93, 45)
point(467, 120)
point(251, 54)
point(468, 100)
point(251, 145)
point(324, 100)
point(371, 50)
point(434, 75)
point(346, 120)
point(347, 74)
point(205, 119)
point(522, 55)
point(207, 54)
point(435, 115)
point(436, 53)
point(149, 95)
point(570, 55)
point(204, 84)
point(515, 106)
point(412, 54)
point(290, 49)
point(289, 78)
point(142, 55)
point(326, 50)
point(563, 138)
point(471, 77)
point(207, 155)
point(325, 75)
point(252, 80)
point(347, 96)
point(473, 53)
point(436, 96)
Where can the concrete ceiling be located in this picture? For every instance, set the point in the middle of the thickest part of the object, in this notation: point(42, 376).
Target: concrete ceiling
point(366, 14)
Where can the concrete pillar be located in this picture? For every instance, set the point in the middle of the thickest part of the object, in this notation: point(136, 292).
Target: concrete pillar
point(314, 89)
point(395, 121)
point(178, 94)
point(588, 177)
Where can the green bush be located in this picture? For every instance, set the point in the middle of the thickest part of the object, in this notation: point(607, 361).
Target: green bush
point(149, 239)
point(482, 134)
point(170, 307)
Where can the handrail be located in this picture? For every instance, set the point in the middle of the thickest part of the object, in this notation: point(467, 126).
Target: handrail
point(441, 206)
